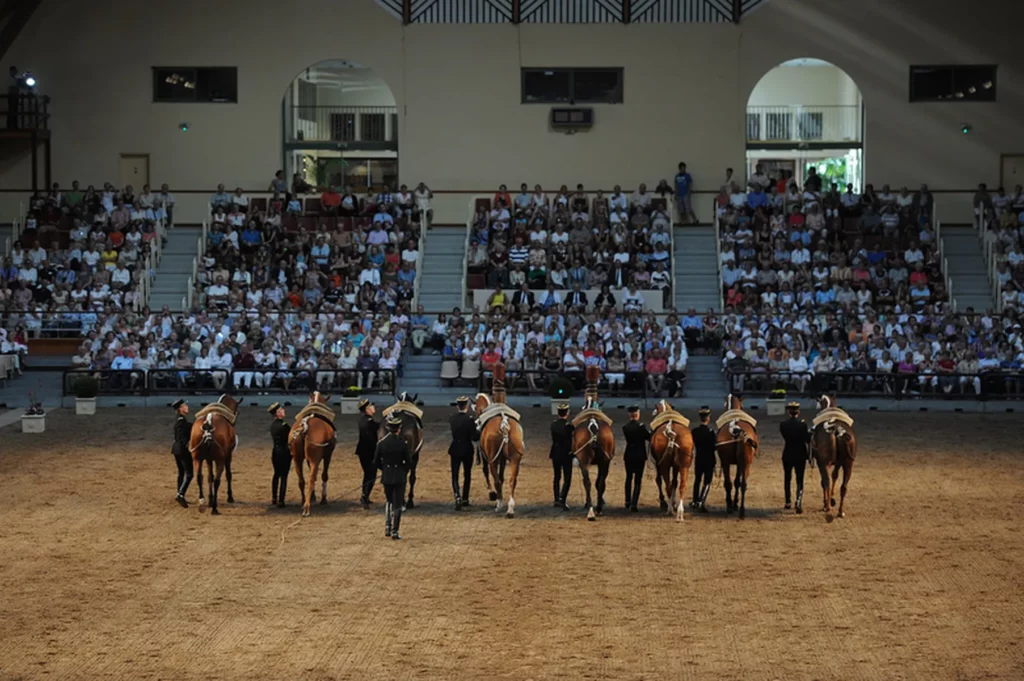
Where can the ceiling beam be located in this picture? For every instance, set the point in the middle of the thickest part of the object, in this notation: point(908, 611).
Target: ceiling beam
point(627, 11)
point(516, 9)
point(737, 11)
point(20, 12)
point(406, 12)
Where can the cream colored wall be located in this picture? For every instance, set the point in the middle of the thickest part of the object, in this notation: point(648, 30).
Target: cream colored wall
point(806, 85)
point(457, 88)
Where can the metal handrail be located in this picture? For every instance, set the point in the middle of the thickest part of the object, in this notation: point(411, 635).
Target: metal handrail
point(465, 252)
point(718, 254)
point(879, 384)
point(518, 385)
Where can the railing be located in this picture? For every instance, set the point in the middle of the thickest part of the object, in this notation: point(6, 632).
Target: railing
point(217, 381)
point(31, 111)
point(377, 124)
point(718, 255)
point(190, 284)
point(465, 252)
point(989, 250)
point(982, 386)
point(633, 384)
point(803, 123)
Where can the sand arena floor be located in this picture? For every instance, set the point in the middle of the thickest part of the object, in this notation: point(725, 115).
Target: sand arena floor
point(103, 576)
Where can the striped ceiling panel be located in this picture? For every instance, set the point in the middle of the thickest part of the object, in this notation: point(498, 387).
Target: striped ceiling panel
point(566, 11)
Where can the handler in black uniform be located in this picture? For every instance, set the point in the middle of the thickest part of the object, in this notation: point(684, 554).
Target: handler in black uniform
point(464, 434)
point(392, 458)
point(794, 454)
point(635, 456)
point(367, 447)
point(180, 450)
point(561, 455)
point(280, 456)
point(704, 463)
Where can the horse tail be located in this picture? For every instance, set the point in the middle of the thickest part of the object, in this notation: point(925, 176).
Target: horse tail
point(206, 442)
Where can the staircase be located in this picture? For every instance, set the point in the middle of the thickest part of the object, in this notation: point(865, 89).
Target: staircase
point(422, 374)
point(696, 278)
point(704, 378)
point(444, 253)
point(967, 268)
point(175, 267)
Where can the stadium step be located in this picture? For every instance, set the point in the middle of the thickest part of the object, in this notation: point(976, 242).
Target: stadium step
point(441, 286)
point(966, 267)
point(171, 280)
point(704, 378)
point(695, 268)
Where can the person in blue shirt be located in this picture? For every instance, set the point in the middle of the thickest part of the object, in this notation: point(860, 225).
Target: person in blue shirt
point(251, 234)
point(692, 328)
point(757, 198)
point(407, 274)
point(684, 182)
point(824, 296)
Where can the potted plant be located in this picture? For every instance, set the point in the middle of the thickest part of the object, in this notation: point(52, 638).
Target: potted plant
point(34, 418)
point(350, 400)
point(775, 403)
point(561, 390)
point(85, 389)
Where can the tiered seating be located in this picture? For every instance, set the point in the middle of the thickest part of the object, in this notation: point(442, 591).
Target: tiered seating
point(1005, 214)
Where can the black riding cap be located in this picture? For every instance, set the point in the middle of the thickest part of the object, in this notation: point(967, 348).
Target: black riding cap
point(364, 403)
point(394, 421)
point(632, 409)
point(272, 409)
point(177, 404)
point(704, 410)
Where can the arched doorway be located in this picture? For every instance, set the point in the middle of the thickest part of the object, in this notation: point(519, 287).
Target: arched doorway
point(807, 113)
point(340, 126)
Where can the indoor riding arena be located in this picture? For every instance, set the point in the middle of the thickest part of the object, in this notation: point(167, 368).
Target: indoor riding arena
point(106, 577)
point(525, 340)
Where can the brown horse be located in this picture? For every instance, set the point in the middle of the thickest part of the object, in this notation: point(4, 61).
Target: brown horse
point(737, 444)
point(833, 444)
point(312, 442)
point(501, 442)
point(593, 442)
point(672, 451)
point(412, 431)
point(213, 441)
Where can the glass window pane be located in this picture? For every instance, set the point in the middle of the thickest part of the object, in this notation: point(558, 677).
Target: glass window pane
point(540, 85)
point(975, 83)
point(929, 83)
point(597, 86)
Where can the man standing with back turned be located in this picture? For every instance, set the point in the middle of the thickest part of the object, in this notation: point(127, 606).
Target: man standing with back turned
point(794, 454)
point(561, 455)
point(464, 434)
point(635, 456)
point(367, 447)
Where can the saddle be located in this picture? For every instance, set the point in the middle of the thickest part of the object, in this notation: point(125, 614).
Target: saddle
point(493, 410)
point(219, 409)
point(669, 417)
point(408, 408)
point(832, 414)
point(588, 414)
point(321, 411)
point(735, 415)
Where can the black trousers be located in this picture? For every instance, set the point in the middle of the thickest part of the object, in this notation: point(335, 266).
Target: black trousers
point(634, 476)
point(789, 465)
point(562, 477)
point(282, 460)
point(394, 495)
point(703, 471)
point(185, 473)
point(369, 474)
point(466, 464)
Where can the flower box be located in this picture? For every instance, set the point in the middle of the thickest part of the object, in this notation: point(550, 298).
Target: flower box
point(33, 423)
point(85, 406)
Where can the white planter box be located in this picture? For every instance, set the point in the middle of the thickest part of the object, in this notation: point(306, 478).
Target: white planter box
point(350, 405)
point(33, 424)
point(775, 407)
point(554, 406)
point(85, 406)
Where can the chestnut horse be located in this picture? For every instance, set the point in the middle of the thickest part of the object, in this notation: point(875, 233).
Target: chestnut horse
point(412, 431)
point(593, 442)
point(213, 441)
point(312, 442)
point(672, 451)
point(737, 444)
point(833, 444)
point(501, 442)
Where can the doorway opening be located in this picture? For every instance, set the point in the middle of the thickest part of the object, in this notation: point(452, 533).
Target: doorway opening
point(340, 126)
point(806, 113)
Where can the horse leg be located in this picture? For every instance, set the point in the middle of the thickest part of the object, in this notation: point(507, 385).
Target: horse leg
point(215, 486)
point(599, 484)
point(727, 483)
point(300, 462)
point(323, 477)
point(741, 488)
point(823, 472)
point(199, 483)
point(227, 473)
point(486, 465)
point(661, 494)
point(311, 494)
point(585, 472)
point(847, 472)
point(681, 490)
point(513, 475)
point(412, 481)
point(832, 488)
point(497, 495)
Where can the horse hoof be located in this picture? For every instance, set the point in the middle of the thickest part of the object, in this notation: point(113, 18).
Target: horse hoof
point(305, 513)
point(202, 505)
point(510, 515)
point(664, 506)
point(493, 496)
point(231, 500)
point(832, 503)
point(323, 502)
point(829, 517)
point(743, 514)
point(842, 514)
point(592, 518)
point(704, 509)
point(410, 504)
point(214, 511)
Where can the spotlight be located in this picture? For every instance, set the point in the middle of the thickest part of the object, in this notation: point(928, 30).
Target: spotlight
point(183, 127)
point(30, 80)
point(965, 128)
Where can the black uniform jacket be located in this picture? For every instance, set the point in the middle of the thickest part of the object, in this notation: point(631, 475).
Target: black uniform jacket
point(797, 435)
point(279, 432)
point(392, 458)
point(182, 436)
point(464, 434)
point(637, 437)
point(561, 439)
point(704, 442)
point(368, 428)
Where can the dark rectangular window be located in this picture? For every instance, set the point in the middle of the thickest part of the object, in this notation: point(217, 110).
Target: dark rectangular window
point(343, 127)
point(307, 101)
point(195, 84)
point(371, 127)
point(572, 86)
point(953, 83)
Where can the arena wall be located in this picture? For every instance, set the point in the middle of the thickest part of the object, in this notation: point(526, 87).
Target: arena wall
point(457, 88)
